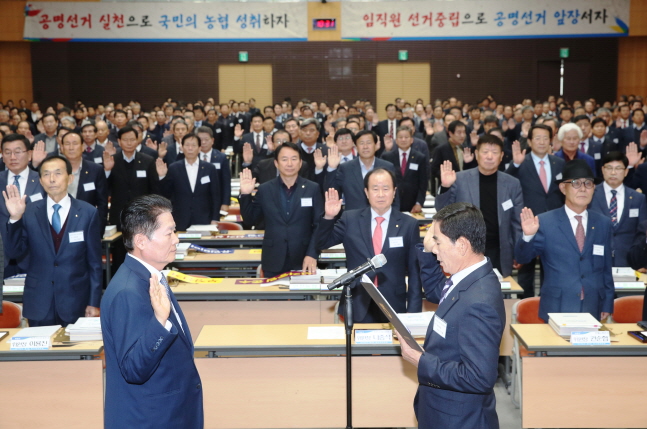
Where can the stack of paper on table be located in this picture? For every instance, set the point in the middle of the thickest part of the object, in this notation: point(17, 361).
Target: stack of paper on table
point(623, 274)
point(182, 249)
point(204, 230)
point(36, 338)
point(330, 275)
point(566, 323)
point(110, 231)
point(85, 329)
point(15, 283)
point(417, 323)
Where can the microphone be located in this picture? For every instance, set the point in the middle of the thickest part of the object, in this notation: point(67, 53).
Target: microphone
point(378, 261)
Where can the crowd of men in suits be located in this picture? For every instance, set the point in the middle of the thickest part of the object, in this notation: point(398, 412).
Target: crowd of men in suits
point(500, 158)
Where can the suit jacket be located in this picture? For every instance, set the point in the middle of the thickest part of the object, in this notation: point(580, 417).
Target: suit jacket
point(633, 213)
point(628, 135)
point(457, 372)
point(637, 257)
point(93, 189)
point(259, 155)
point(96, 155)
point(150, 373)
point(348, 180)
point(353, 229)
point(579, 155)
point(265, 170)
point(309, 159)
point(639, 178)
point(171, 153)
point(466, 190)
point(34, 192)
point(197, 207)
point(567, 271)
point(71, 278)
point(285, 234)
point(223, 171)
point(534, 195)
point(446, 152)
point(412, 187)
point(126, 183)
point(382, 128)
point(224, 137)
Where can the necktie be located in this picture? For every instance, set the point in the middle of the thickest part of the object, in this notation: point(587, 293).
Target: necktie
point(579, 233)
point(56, 219)
point(542, 176)
point(258, 142)
point(582, 147)
point(168, 294)
point(205, 157)
point(16, 182)
point(448, 284)
point(613, 207)
point(403, 166)
point(88, 149)
point(344, 160)
point(459, 157)
point(377, 239)
point(309, 150)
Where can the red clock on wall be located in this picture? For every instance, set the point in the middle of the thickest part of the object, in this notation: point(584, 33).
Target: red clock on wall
point(324, 24)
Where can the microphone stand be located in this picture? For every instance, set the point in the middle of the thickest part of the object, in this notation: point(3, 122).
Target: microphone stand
point(348, 324)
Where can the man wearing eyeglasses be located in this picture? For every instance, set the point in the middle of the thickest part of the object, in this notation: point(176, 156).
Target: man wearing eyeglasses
point(624, 206)
point(575, 246)
point(266, 169)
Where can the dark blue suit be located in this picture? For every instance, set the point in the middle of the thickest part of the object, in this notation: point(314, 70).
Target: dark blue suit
point(412, 187)
point(347, 179)
point(151, 379)
point(70, 279)
point(289, 235)
point(567, 271)
point(93, 189)
point(457, 373)
point(34, 191)
point(579, 155)
point(95, 155)
point(353, 229)
point(223, 171)
point(633, 213)
point(197, 207)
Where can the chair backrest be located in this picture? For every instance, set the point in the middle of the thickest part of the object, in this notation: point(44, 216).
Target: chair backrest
point(11, 316)
point(229, 226)
point(527, 311)
point(628, 309)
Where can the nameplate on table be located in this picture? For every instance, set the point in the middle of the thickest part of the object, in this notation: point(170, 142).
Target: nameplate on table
point(629, 285)
point(333, 256)
point(308, 286)
point(187, 235)
point(210, 251)
point(596, 338)
point(34, 338)
point(254, 235)
point(506, 286)
point(179, 256)
point(373, 336)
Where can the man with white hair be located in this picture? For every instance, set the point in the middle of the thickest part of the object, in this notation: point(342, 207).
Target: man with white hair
point(570, 135)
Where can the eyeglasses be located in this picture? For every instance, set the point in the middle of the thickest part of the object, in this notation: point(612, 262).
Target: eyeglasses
point(281, 141)
point(8, 153)
point(345, 137)
point(610, 168)
point(577, 183)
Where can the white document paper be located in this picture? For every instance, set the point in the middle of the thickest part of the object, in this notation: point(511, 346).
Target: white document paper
point(325, 333)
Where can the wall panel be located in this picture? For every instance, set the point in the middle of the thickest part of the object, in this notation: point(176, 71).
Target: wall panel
point(632, 66)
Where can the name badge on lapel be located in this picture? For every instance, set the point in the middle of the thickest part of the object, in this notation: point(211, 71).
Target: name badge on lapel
point(76, 237)
point(218, 130)
point(89, 187)
point(306, 202)
point(507, 205)
point(141, 173)
point(558, 177)
point(205, 179)
point(598, 250)
point(596, 155)
point(634, 212)
point(395, 242)
point(217, 165)
point(35, 197)
point(413, 167)
point(440, 326)
point(98, 160)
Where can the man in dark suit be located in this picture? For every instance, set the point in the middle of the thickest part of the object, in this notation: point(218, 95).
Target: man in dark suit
point(348, 178)
point(173, 149)
point(192, 186)
point(50, 125)
point(461, 157)
point(410, 171)
point(256, 141)
point(89, 182)
point(313, 153)
point(496, 194)
point(633, 131)
point(459, 367)
point(624, 206)
point(224, 128)
point(150, 373)
point(373, 230)
point(575, 246)
point(16, 154)
point(291, 207)
point(220, 162)
point(266, 169)
point(92, 151)
point(388, 125)
point(160, 126)
point(538, 173)
point(64, 276)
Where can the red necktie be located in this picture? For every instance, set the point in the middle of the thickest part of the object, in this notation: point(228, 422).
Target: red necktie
point(579, 233)
point(377, 239)
point(403, 166)
point(582, 147)
point(391, 128)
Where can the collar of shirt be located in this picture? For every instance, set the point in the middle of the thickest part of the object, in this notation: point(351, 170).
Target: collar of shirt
point(105, 142)
point(608, 189)
point(24, 175)
point(536, 159)
point(571, 217)
point(194, 165)
point(128, 159)
point(306, 147)
point(637, 127)
point(456, 278)
point(202, 154)
point(364, 169)
point(65, 203)
point(348, 157)
point(148, 266)
point(400, 152)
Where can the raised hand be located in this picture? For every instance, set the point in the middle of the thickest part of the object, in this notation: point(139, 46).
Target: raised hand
point(511, 124)
point(320, 160)
point(38, 154)
point(429, 128)
point(162, 150)
point(333, 204)
point(619, 122)
point(108, 161)
point(504, 126)
point(330, 141)
point(447, 174)
point(334, 157)
point(15, 205)
point(151, 144)
point(248, 153)
point(110, 148)
point(529, 222)
point(525, 127)
point(438, 126)
point(29, 136)
point(643, 138)
point(238, 131)
point(247, 182)
point(159, 300)
point(468, 155)
point(429, 242)
point(474, 138)
point(388, 142)
point(162, 168)
point(633, 155)
point(518, 155)
point(269, 141)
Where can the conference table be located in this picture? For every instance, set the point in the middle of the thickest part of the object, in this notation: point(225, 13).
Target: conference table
point(59, 388)
point(234, 263)
point(570, 386)
point(296, 382)
point(233, 238)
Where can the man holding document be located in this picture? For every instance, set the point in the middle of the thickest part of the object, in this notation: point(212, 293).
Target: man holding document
point(458, 368)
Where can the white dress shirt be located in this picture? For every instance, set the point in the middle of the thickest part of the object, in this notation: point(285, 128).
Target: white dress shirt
point(192, 172)
point(456, 278)
point(620, 197)
point(364, 169)
point(384, 225)
point(348, 157)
